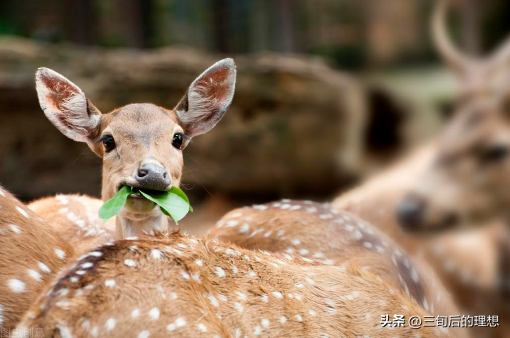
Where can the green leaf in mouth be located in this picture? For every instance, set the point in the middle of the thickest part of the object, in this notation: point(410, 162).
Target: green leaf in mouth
point(111, 207)
point(173, 202)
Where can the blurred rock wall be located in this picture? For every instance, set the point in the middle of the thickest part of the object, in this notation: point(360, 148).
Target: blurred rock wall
point(294, 128)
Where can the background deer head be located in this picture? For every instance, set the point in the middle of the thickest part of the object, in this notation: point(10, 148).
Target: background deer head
point(470, 177)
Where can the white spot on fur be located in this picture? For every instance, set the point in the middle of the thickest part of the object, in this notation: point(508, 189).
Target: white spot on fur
point(110, 283)
point(220, 272)
point(213, 300)
point(154, 313)
point(303, 252)
point(244, 228)
point(180, 322)
point(22, 212)
point(129, 262)
point(34, 274)
point(110, 324)
point(87, 265)
point(16, 285)
point(231, 224)
point(238, 307)
point(202, 327)
point(185, 275)
point(283, 319)
point(156, 254)
point(15, 228)
point(43, 267)
point(277, 294)
point(144, 334)
point(135, 313)
point(60, 253)
point(241, 295)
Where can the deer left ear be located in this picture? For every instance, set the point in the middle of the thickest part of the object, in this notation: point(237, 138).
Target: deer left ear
point(208, 98)
point(66, 106)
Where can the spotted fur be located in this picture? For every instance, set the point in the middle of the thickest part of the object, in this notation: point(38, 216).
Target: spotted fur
point(32, 253)
point(76, 219)
point(318, 232)
point(232, 292)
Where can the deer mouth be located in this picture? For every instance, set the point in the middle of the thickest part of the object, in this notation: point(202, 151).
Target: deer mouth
point(137, 204)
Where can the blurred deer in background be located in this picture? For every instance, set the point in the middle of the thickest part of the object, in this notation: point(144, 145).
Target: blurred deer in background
point(140, 144)
point(466, 263)
point(457, 181)
point(317, 231)
point(32, 253)
point(469, 179)
point(176, 285)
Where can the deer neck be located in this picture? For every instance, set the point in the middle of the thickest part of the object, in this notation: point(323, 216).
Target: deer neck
point(127, 227)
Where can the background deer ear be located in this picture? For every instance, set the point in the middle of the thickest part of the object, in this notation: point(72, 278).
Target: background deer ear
point(66, 106)
point(208, 98)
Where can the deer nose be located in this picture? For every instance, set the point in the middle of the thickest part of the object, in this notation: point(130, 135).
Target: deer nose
point(410, 212)
point(152, 176)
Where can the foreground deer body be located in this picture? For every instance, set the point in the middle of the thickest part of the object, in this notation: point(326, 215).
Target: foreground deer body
point(75, 218)
point(31, 254)
point(140, 144)
point(317, 231)
point(184, 287)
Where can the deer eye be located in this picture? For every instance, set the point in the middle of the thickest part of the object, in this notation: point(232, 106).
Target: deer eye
point(178, 140)
point(495, 153)
point(108, 143)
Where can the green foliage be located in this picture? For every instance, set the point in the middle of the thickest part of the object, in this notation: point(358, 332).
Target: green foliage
point(173, 203)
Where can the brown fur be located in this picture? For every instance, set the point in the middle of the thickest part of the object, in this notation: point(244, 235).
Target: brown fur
point(231, 292)
point(316, 231)
point(32, 254)
point(466, 263)
point(75, 218)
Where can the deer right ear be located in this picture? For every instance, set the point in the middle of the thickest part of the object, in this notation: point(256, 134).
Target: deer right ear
point(208, 98)
point(66, 106)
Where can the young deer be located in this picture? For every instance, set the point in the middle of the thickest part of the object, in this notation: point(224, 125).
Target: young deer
point(76, 220)
point(317, 231)
point(140, 144)
point(31, 254)
point(179, 286)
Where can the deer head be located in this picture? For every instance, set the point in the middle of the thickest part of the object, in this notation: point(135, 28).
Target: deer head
point(141, 144)
point(469, 180)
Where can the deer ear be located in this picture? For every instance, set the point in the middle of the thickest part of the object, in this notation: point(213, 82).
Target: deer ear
point(66, 106)
point(208, 98)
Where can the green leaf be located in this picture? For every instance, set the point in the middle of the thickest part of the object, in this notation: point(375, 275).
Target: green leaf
point(111, 207)
point(173, 203)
